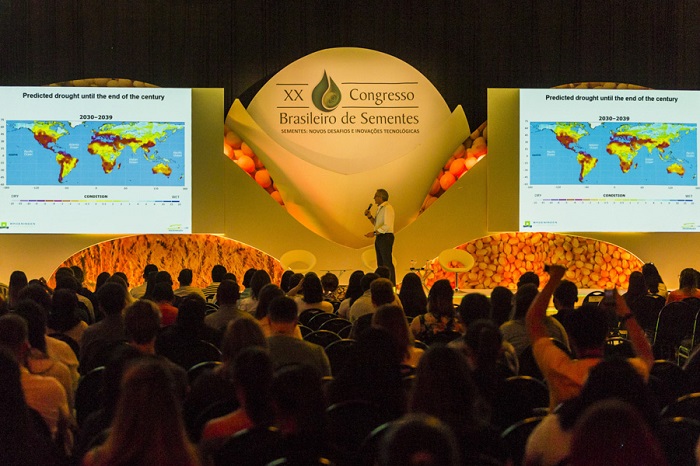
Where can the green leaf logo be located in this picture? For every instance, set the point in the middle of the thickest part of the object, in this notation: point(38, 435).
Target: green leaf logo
point(326, 95)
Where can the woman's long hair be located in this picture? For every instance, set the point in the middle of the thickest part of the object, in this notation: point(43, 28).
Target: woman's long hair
point(392, 319)
point(412, 295)
point(354, 289)
point(148, 428)
point(440, 299)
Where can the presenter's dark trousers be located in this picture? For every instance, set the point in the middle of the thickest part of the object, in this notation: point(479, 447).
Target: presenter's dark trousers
point(383, 245)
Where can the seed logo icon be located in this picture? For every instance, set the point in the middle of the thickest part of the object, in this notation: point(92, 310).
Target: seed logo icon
point(326, 95)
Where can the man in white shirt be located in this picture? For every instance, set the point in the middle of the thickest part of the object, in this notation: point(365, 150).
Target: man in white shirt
point(383, 231)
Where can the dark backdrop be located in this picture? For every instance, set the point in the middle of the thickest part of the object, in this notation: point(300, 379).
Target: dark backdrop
point(463, 47)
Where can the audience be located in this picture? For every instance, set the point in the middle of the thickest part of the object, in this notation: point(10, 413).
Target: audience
point(140, 290)
point(550, 442)
point(141, 421)
point(372, 374)
point(248, 276)
point(440, 320)
point(412, 295)
point(514, 330)
point(391, 318)
point(501, 304)
point(652, 278)
point(184, 278)
point(252, 382)
point(260, 278)
point(311, 291)
point(589, 329)
point(687, 286)
point(285, 347)
point(331, 290)
point(217, 274)
point(363, 304)
point(147, 428)
point(111, 299)
point(227, 296)
point(24, 438)
point(352, 292)
point(444, 388)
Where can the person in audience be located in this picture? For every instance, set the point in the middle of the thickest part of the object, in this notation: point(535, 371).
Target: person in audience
point(66, 281)
point(147, 428)
point(352, 292)
point(331, 291)
point(23, 439)
point(65, 316)
point(515, 332)
point(79, 275)
point(652, 278)
point(474, 306)
point(216, 385)
point(687, 286)
point(217, 274)
point(43, 394)
point(38, 360)
point(139, 291)
point(285, 347)
point(529, 278)
point(619, 436)
point(381, 291)
point(189, 329)
point(636, 289)
point(55, 349)
point(95, 427)
point(18, 280)
point(142, 323)
point(311, 295)
point(284, 281)
point(185, 278)
point(111, 299)
point(227, 297)
point(101, 279)
point(120, 278)
point(419, 440)
point(267, 294)
point(444, 388)
point(252, 380)
point(489, 360)
point(300, 412)
point(294, 280)
point(476, 344)
point(589, 329)
point(247, 277)
point(372, 374)
point(550, 442)
point(163, 296)
point(564, 300)
point(383, 272)
point(363, 305)
point(440, 318)
point(260, 278)
point(501, 304)
point(391, 318)
point(412, 295)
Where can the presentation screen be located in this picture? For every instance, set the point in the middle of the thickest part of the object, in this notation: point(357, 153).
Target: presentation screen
point(95, 160)
point(608, 160)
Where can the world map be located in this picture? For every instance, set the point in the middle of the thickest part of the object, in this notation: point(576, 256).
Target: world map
point(612, 153)
point(95, 153)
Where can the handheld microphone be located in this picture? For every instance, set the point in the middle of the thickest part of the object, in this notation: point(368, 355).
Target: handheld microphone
point(369, 206)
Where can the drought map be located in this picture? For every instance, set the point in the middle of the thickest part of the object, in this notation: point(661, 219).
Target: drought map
point(92, 153)
point(613, 153)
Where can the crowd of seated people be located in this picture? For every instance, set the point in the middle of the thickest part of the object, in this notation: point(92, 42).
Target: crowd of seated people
point(189, 378)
